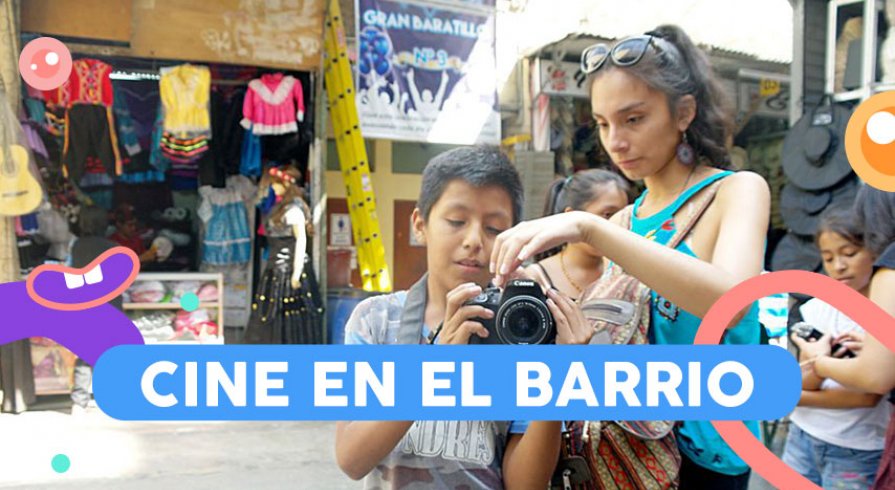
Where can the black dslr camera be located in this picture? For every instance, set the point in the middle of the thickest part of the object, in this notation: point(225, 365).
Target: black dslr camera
point(521, 315)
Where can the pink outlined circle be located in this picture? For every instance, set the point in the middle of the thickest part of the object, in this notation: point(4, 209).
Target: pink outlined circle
point(45, 63)
point(847, 300)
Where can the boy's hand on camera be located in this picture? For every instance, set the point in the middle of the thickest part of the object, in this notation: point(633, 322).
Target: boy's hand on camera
point(523, 241)
point(458, 323)
point(571, 326)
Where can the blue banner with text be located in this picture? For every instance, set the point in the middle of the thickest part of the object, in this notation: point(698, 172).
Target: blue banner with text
point(556, 382)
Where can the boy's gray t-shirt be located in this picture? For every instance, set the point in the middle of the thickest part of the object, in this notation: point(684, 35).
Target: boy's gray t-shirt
point(451, 455)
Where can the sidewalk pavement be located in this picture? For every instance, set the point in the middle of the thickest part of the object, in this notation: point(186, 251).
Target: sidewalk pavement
point(109, 454)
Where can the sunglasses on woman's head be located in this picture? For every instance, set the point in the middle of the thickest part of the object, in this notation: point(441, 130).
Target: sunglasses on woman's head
point(626, 52)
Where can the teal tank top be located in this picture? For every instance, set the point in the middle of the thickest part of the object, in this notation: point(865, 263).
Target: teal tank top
point(698, 440)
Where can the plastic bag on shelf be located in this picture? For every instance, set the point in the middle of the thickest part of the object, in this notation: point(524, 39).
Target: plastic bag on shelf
point(178, 289)
point(208, 293)
point(147, 292)
point(155, 327)
point(196, 325)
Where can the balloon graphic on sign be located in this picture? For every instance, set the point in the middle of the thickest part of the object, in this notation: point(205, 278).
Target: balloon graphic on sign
point(375, 51)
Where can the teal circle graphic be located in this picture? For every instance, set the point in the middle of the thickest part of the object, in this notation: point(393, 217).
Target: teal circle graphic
point(189, 302)
point(61, 463)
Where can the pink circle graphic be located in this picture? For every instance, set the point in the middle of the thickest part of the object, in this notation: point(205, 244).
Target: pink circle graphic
point(45, 63)
point(860, 309)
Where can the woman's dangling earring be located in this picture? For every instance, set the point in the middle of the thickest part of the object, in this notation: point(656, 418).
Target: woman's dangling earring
point(685, 152)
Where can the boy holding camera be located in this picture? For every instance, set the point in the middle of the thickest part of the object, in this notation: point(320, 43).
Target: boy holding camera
point(468, 197)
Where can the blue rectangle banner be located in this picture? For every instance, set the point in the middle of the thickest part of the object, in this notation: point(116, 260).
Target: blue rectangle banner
point(447, 382)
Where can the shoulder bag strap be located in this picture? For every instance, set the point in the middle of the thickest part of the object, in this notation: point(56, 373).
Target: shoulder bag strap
point(702, 204)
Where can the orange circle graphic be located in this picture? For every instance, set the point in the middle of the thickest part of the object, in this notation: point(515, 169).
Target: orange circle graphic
point(873, 162)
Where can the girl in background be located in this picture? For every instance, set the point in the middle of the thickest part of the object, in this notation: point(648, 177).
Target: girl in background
point(873, 369)
point(837, 435)
point(576, 265)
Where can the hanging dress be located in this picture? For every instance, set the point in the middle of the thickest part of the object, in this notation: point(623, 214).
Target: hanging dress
point(227, 238)
point(274, 104)
point(185, 92)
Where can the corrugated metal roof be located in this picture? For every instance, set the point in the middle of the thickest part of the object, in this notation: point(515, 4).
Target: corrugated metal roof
point(758, 28)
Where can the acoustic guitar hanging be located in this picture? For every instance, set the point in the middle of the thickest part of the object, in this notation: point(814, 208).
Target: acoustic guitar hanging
point(20, 193)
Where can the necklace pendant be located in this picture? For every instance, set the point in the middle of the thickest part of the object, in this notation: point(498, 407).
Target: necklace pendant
point(562, 263)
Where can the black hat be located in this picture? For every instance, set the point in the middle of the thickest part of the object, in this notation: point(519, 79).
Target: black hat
point(801, 209)
point(814, 149)
point(796, 252)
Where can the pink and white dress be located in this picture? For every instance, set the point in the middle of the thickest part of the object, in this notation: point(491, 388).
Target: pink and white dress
point(274, 104)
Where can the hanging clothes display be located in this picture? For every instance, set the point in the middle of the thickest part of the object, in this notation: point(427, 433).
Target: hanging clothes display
point(280, 313)
point(225, 156)
point(184, 155)
point(172, 147)
point(55, 117)
point(228, 238)
point(136, 108)
point(127, 130)
point(89, 83)
point(274, 104)
point(34, 139)
point(157, 158)
point(185, 92)
point(37, 110)
point(250, 162)
point(48, 156)
point(90, 152)
point(90, 148)
point(282, 149)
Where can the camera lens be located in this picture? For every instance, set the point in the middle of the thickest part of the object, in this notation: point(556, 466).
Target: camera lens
point(523, 321)
point(523, 324)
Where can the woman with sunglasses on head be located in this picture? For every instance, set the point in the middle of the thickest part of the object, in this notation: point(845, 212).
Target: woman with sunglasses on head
point(662, 119)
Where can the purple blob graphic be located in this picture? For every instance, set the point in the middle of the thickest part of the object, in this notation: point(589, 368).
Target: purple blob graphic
point(67, 305)
point(87, 333)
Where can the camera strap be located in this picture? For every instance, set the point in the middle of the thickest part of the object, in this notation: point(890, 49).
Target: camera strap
point(701, 204)
point(433, 335)
point(414, 313)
